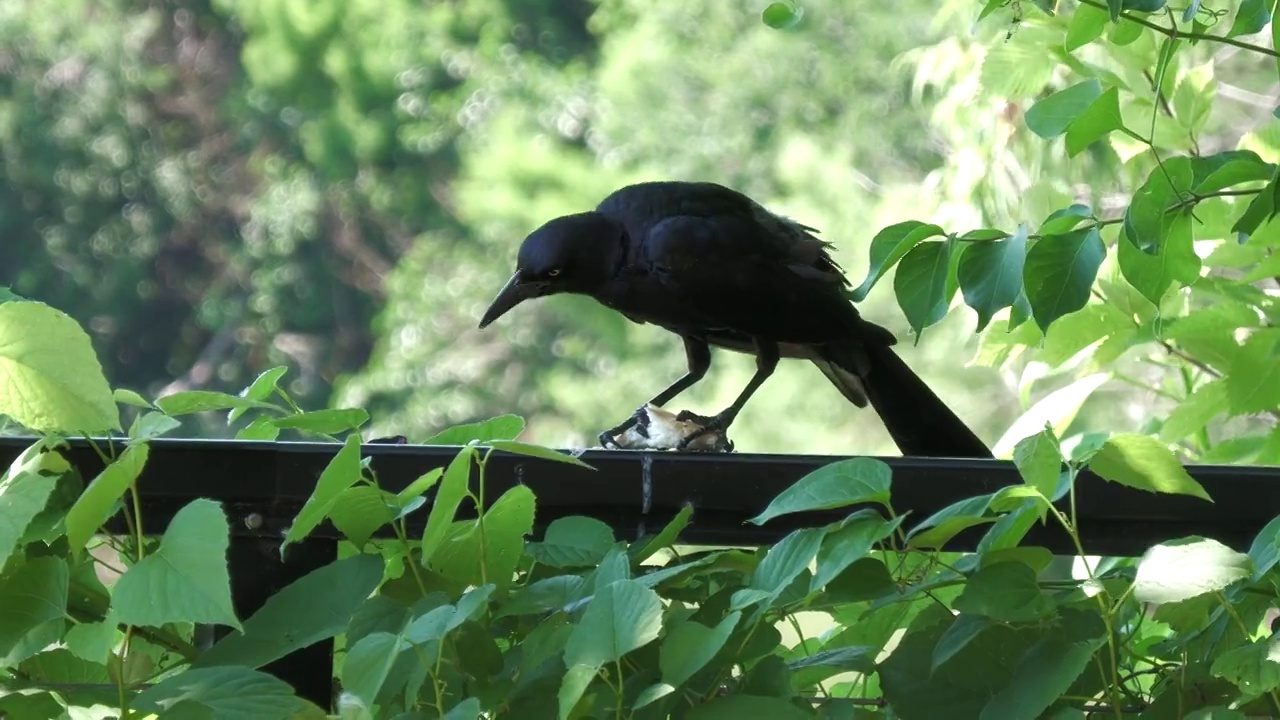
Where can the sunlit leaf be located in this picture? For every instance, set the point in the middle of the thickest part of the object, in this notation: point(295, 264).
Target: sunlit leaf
point(837, 484)
point(50, 377)
point(921, 283)
point(1051, 116)
point(990, 274)
point(1142, 462)
point(186, 580)
point(1097, 120)
point(1059, 272)
point(888, 247)
point(1183, 569)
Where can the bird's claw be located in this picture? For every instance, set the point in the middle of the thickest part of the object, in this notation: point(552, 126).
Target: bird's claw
point(704, 425)
point(609, 438)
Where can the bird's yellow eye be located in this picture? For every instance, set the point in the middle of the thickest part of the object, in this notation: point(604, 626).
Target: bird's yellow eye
point(553, 272)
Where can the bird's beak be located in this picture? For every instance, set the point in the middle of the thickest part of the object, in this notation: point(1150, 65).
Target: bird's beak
point(512, 294)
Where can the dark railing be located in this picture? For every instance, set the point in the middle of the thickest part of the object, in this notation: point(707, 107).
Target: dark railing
point(262, 485)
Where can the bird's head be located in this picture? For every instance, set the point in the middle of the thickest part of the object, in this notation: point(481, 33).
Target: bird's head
point(570, 254)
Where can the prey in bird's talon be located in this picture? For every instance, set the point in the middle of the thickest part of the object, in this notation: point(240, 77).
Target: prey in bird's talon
point(703, 428)
point(639, 422)
point(653, 428)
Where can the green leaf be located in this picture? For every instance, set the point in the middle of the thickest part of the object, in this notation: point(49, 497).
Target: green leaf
point(265, 384)
point(1228, 169)
point(1260, 209)
point(91, 641)
point(1275, 43)
point(194, 401)
point(690, 645)
point(957, 636)
point(546, 595)
point(24, 492)
point(1097, 121)
point(1147, 220)
point(1265, 549)
point(260, 389)
point(1004, 591)
point(1051, 116)
point(1252, 17)
point(1087, 24)
point(1050, 667)
point(808, 671)
point(50, 378)
point(746, 707)
point(327, 422)
point(1039, 461)
point(260, 429)
point(357, 512)
point(888, 247)
point(501, 427)
point(453, 488)
point(990, 274)
point(419, 487)
point(1254, 668)
point(152, 424)
point(342, 472)
point(129, 397)
point(921, 283)
point(1253, 383)
point(838, 484)
point(472, 557)
point(185, 580)
point(575, 682)
point(865, 579)
point(574, 541)
point(1182, 569)
point(468, 709)
point(1059, 271)
point(368, 663)
point(623, 616)
point(537, 451)
point(1065, 219)
point(935, 530)
point(222, 692)
point(1142, 462)
point(850, 542)
point(664, 539)
point(7, 295)
point(781, 16)
point(1173, 259)
point(98, 501)
point(33, 596)
point(315, 607)
point(1194, 413)
point(785, 560)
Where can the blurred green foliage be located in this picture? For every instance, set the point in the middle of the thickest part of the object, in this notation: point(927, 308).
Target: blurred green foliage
point(216, 188)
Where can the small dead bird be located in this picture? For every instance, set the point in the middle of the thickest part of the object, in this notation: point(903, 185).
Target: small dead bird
point(659, 429)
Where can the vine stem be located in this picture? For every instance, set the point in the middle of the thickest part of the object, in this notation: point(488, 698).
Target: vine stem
point(1188, 35)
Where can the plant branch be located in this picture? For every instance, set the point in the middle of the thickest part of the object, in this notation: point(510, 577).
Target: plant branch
point(1188, 35)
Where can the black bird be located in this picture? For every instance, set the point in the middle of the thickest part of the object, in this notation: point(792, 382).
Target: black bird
point(716, 268)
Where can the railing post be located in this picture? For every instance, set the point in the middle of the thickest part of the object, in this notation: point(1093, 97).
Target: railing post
point(257, 573)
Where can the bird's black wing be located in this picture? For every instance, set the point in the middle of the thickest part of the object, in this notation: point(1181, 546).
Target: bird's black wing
point(732, 273)
point(643, 205)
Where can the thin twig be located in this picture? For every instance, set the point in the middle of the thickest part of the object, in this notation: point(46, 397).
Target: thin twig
point(1189, 35)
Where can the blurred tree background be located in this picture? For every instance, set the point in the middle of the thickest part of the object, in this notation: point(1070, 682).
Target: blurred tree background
point(214, 188)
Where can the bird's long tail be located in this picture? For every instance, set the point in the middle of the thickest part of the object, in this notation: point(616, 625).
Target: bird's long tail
point(917, 419)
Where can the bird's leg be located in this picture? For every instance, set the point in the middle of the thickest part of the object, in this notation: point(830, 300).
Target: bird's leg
point(766, 362)
point(697, 355)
